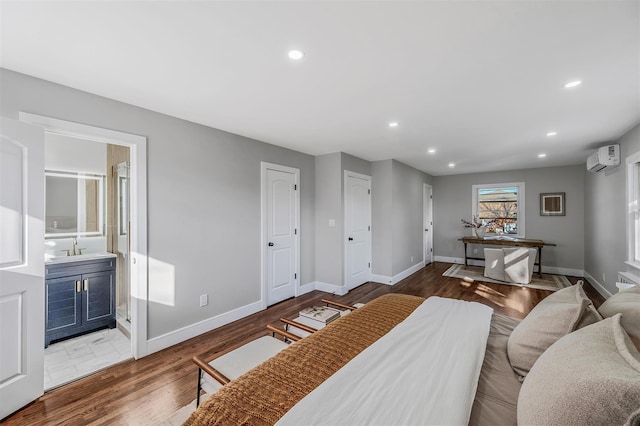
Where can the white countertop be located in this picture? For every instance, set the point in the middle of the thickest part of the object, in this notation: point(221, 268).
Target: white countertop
point(78, 258)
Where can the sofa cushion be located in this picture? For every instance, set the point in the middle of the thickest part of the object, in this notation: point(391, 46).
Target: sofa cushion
point(626, 302)
point(554, 317)
point(591, 376)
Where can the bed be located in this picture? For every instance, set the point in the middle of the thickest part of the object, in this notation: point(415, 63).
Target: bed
point(406, 360)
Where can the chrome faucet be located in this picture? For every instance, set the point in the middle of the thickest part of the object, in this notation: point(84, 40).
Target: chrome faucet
point(74, 243)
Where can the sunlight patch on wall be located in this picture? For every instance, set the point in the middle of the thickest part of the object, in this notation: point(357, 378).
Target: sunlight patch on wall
point(162, 282)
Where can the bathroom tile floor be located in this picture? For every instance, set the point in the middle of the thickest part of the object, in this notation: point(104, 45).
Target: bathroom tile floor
point(75, 358)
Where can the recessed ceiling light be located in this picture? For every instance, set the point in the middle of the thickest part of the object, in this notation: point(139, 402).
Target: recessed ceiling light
point(452, 165)
point(572, 84)
point(552, 133)
point(542, 155)
point(295, 54)
point(431, 151)
point(393, 124)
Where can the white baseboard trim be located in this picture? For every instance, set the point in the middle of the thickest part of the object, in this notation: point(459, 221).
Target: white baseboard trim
point(174, 337)
point(446, 259)
point(331, 288)
point(306, 288)
point(562, 271)
point(398, 277)
point(381, 279)
point(599, 287)
point(545, 269)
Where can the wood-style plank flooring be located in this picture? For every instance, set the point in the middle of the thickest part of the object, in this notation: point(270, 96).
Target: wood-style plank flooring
point(149, 390)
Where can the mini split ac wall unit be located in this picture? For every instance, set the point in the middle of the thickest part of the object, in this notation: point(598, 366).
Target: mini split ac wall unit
point(604, 158)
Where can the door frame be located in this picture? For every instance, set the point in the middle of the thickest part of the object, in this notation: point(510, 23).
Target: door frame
point(345, 235)
point(264, 166)
point(427, 206)
point(138, 259)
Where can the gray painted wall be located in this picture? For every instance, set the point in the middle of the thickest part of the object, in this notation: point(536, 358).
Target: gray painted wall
point(407, 205)
point(452, 202)
point(397, 214)
point(382, 218)
point(330, 205)
point(203, 200)
point(606, 218)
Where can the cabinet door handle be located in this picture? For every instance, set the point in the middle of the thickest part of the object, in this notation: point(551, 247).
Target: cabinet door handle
point(86, 285)
point(78, 286)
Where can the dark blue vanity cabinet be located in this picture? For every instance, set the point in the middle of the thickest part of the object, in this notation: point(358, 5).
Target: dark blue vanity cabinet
point(80, 297)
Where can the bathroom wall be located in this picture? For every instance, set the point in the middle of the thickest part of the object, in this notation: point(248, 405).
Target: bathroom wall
point(62, 153)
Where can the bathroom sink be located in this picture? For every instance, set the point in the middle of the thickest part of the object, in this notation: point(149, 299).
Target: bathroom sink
point(78, 258)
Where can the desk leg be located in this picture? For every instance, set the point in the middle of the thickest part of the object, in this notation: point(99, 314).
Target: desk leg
point(465, 254)
point(540, 261)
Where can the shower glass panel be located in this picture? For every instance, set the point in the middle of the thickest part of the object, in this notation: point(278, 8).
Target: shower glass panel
point(121, 213)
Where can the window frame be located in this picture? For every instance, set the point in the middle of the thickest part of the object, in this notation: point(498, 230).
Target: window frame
point(521, 202)
point(633, 210)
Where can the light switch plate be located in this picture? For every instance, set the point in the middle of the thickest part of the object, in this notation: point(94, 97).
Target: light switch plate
point(204, 300)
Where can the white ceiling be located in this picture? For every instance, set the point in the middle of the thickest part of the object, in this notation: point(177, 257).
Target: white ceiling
point(479, 81)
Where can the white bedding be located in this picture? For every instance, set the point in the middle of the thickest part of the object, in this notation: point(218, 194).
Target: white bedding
point(423, 372)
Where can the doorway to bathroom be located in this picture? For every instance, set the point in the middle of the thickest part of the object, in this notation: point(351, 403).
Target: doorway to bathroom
point(87, 223)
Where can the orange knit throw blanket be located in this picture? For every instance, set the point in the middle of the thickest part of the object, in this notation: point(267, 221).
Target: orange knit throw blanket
point(264, 394)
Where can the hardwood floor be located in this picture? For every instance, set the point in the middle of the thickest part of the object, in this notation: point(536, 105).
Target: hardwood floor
point(149, 390)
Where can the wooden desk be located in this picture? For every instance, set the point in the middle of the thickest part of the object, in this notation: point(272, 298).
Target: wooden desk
point(514, 242)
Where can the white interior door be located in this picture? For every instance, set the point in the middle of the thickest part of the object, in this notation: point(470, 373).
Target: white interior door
point(280, 218)
point(357, 213)
point(428, 224)
point(21, 265)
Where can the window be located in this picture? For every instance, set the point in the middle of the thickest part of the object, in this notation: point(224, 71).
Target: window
point(500, 205)
point(633, 199)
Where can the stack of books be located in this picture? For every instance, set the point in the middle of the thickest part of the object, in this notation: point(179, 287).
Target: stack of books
point(323, 314)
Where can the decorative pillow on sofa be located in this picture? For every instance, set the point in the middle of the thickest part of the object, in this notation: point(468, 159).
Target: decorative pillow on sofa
point(554, 317)
point(591, 376)
point(626, 302)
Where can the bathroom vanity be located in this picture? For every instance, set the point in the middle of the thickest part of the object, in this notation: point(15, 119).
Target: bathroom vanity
point(80, 295)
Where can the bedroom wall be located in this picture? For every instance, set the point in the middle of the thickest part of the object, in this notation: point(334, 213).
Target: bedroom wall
point(397, 215)
point(452, 202)
point(606, 220)
point(408, 221)
point(382, 218)
point(330, 205)
point(203, 200)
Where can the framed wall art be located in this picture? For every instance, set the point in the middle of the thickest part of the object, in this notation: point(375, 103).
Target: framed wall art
point(552, 204)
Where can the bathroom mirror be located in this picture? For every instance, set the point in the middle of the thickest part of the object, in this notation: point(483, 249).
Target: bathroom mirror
point(74, 204)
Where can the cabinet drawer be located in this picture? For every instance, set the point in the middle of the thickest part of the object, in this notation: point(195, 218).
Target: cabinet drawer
point(81, 267)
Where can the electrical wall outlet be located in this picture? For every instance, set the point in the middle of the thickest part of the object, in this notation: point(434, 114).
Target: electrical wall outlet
point(475, 251)
point(604, 280)
point(204, 300)
point(411, 259)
